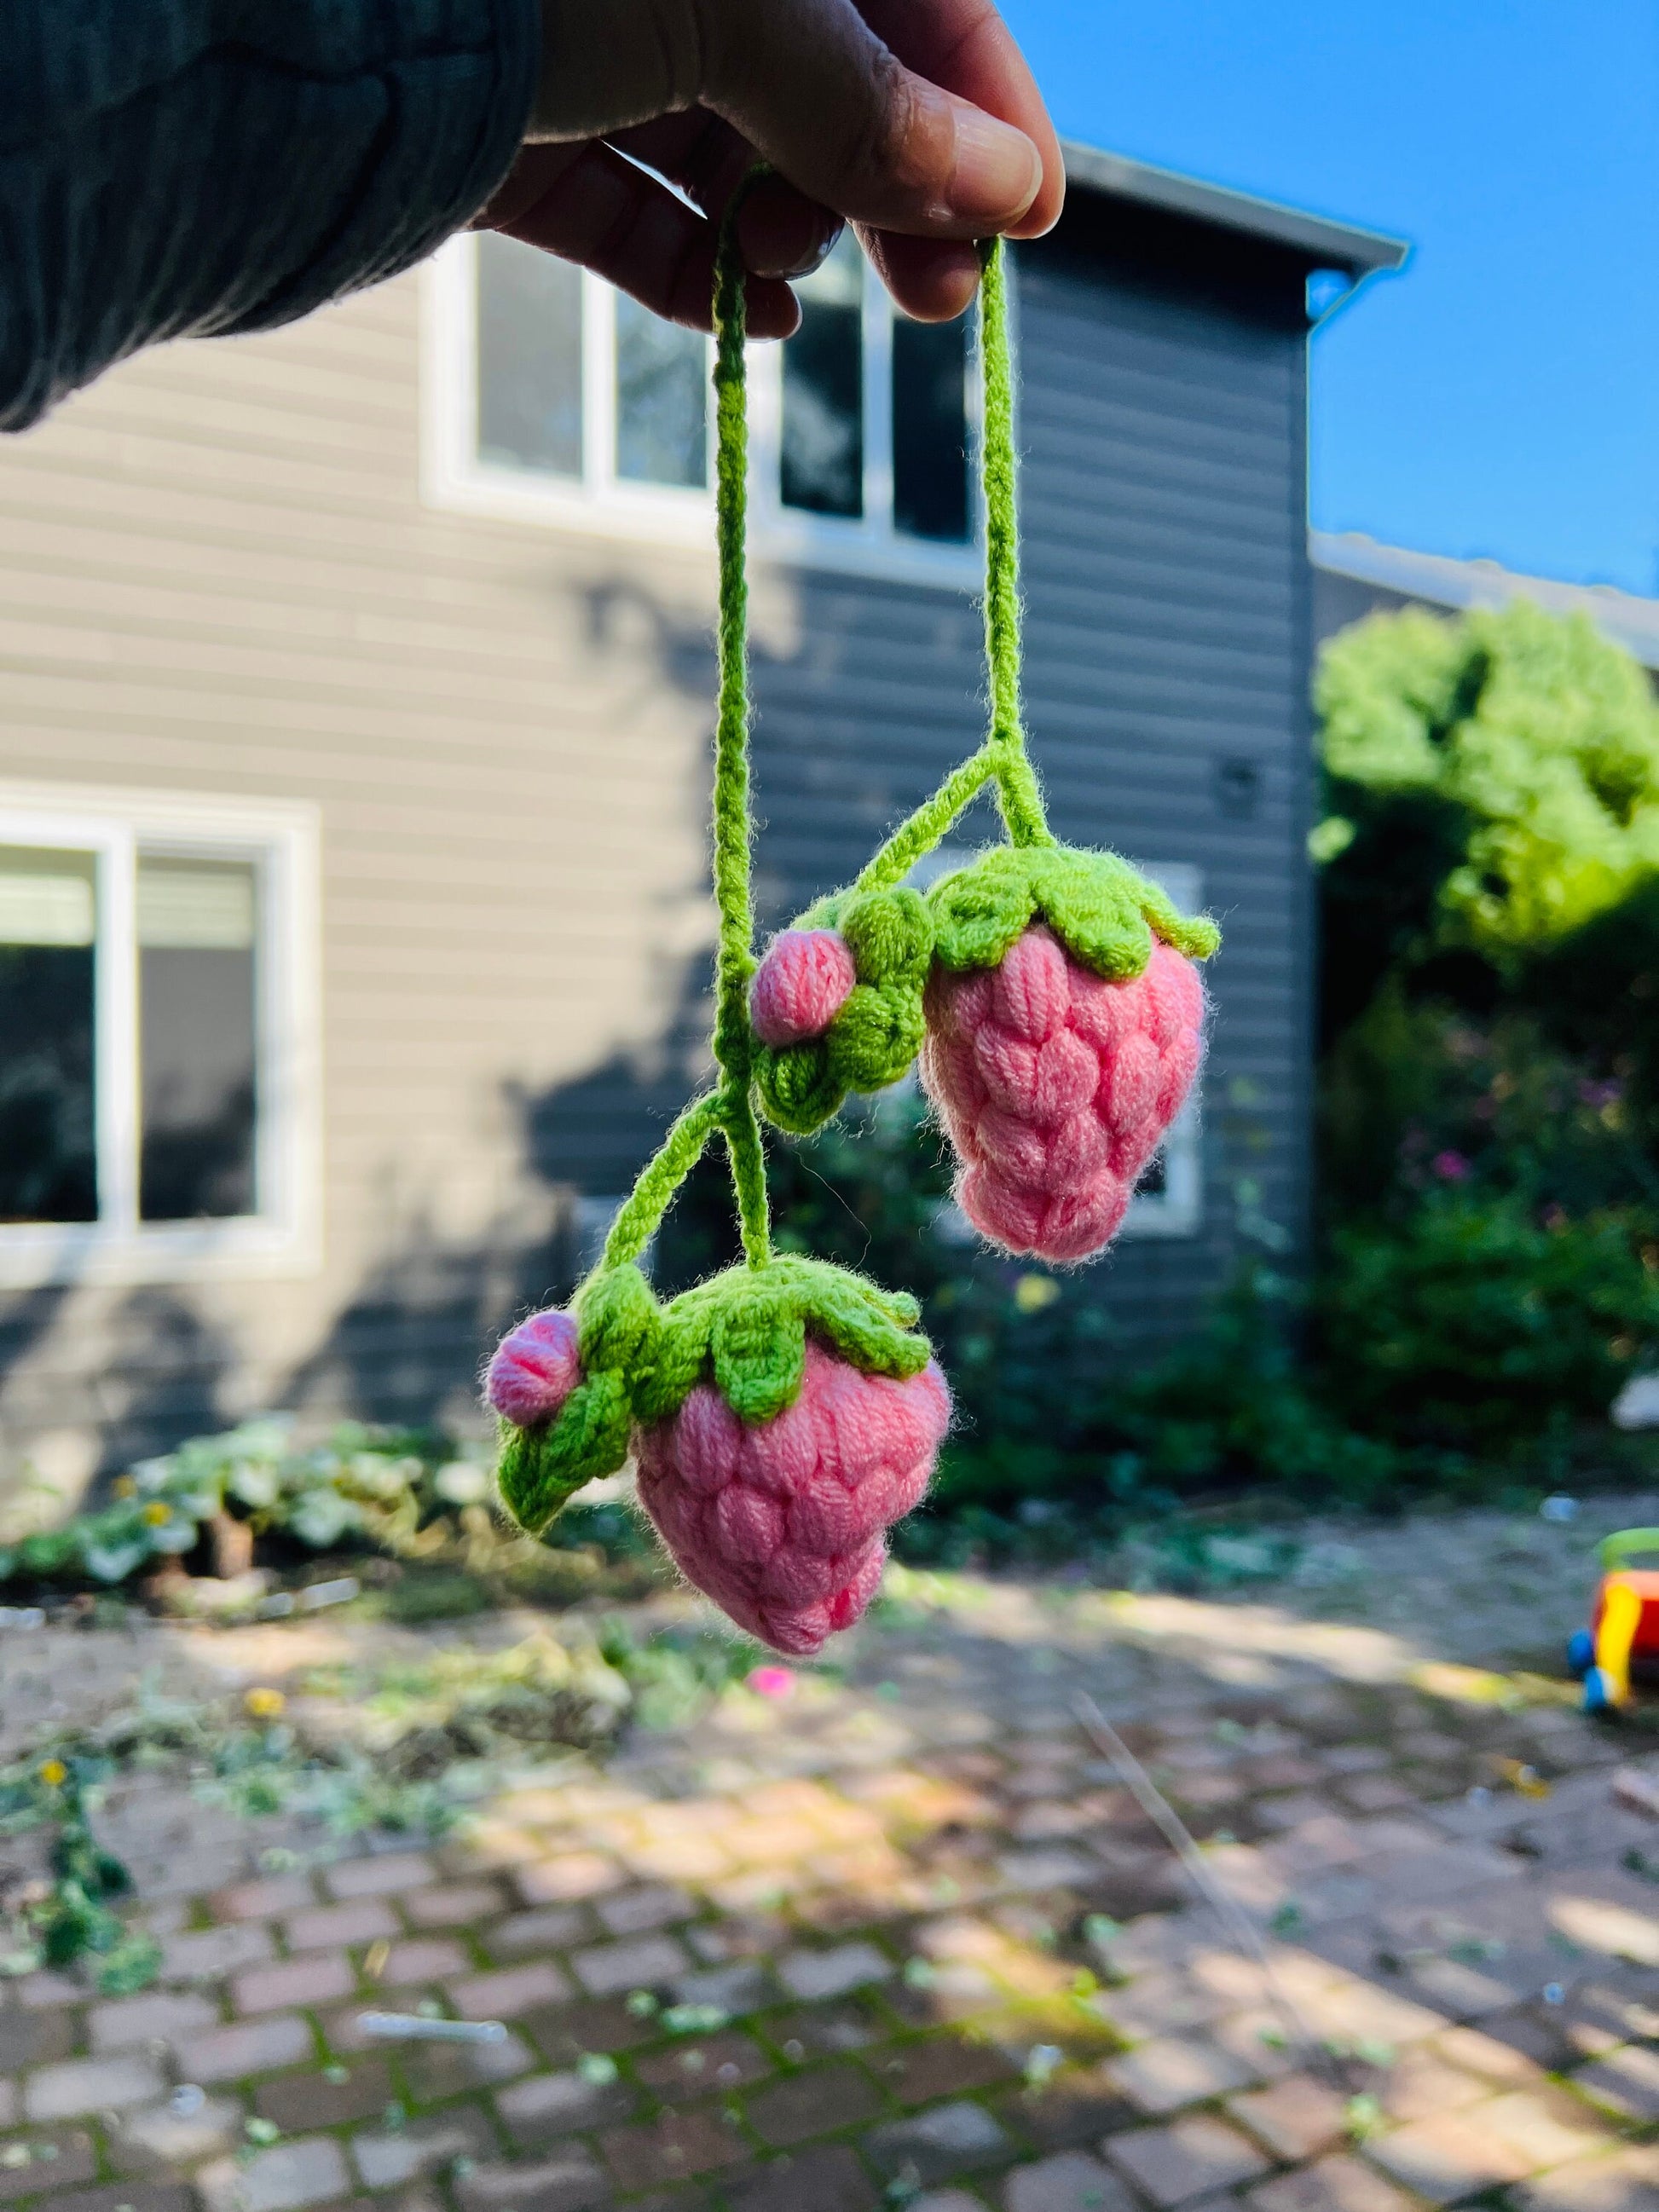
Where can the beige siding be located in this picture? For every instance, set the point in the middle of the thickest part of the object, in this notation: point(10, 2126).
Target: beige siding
point(217, 575)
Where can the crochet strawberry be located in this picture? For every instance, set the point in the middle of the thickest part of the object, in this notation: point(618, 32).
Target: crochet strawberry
point(559, 1382)
point(1064, 1028)
point(782, 1417)
point(784, 1523)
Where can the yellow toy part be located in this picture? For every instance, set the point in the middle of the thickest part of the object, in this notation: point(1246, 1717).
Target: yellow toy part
point(1615, 1635)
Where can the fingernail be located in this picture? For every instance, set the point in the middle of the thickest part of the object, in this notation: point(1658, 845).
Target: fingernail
point(997, 172)
point(813, 256)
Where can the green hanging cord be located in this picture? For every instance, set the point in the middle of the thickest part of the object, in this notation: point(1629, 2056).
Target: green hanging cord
point(733, 1045)
point(1016, 783)
point(1003, 754)
point(653, 1191)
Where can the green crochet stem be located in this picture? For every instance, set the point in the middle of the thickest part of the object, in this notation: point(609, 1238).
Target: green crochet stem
point(733, 830)
point(653, 1195)
point(1016, 783)
point(1001, 758)
point(1003, 755)
point(731, 1109)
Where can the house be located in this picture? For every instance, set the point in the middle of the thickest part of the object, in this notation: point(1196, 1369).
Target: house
point(1355, 576)
point(356, 693)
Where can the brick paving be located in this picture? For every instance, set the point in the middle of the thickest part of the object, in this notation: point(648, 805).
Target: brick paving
point(906, 1941)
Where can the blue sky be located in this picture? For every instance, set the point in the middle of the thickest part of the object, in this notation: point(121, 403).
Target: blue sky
point(1501, 395)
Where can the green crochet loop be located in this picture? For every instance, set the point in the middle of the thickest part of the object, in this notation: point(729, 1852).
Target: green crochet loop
point(1105, 913)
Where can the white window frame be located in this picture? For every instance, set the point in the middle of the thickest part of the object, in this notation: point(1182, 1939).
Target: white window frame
point(1178, 1209)
point(281, 838)
point(455, 478)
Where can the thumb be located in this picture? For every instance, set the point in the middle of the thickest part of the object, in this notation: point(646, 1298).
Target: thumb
point(814, 90)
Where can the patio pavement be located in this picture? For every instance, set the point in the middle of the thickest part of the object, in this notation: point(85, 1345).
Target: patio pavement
point(902, 1938)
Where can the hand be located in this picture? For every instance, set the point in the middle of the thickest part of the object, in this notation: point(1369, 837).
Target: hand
point(927, 142)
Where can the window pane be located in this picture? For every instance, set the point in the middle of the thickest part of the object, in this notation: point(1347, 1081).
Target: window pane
point(197, 1038)
point(930, 428)
point(823, 466)
point(662, 419)
point(530, 358)
point(48, 1156)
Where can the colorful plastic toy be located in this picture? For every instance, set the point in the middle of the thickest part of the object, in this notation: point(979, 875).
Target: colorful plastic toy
point(1624, 1622)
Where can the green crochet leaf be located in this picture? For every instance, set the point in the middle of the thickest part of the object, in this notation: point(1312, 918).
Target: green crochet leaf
point(1094, 904)
point(668, 1380)
point(617, 1319)
point(877, 1034)
point(798, 1087)
point(1105, 913)
point(758, 1346)
point(889, 934)
point(872, 1338)
point(540, 1469)
point(747, 1328)
point(979, 911)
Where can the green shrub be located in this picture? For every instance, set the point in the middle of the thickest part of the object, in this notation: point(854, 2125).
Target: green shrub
point(1470, 1322)
point(1529, 741)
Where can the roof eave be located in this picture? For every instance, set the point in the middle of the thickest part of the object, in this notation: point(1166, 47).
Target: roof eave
point(1323, 244)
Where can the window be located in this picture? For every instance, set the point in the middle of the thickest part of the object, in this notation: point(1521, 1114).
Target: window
point(863, 442)
point(551, 397)
point(158, 1016)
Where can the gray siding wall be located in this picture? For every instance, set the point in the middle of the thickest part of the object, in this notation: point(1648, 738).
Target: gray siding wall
point(1167, 576)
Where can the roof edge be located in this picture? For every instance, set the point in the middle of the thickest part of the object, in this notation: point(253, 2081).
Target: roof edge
point(1327, 245)
point(1626, 617)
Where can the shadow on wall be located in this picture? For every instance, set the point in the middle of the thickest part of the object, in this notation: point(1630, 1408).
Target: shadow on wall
point(162, 1374)
point(858, 716)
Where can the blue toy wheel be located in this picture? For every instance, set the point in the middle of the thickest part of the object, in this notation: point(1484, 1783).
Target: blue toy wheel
point(1581, 1652)
point(1598, 1692)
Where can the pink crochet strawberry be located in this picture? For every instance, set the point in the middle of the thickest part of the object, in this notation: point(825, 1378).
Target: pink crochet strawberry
point(784, 1523)
point(783, 1416)
point(1064, 1028)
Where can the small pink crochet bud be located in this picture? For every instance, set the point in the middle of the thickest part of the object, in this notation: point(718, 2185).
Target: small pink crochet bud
point(535, 1369)
point(785, 1524)
point(802, 983)
point(1057, 1085)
